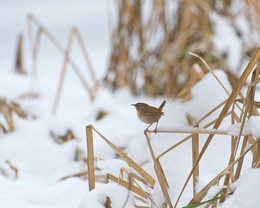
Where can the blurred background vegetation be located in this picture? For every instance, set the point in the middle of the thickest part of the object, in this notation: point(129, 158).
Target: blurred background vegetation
point(151, 41)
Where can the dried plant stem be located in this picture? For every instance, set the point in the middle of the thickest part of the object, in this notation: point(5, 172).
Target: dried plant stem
point(226, 107)
point(189, 130)
point(159, 172)
point(86, 57)
point(195, 154)
point(67, 59)
point(19, 66)
point(204, 191)
point(131, 187)
point(90, 160)
point(212, 72)
point(130, 162)
point(63, 73)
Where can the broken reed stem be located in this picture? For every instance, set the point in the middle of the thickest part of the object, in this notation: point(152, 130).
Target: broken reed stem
point(188, 137)
point(90, 159)
point(129, 186)
point(30, 20)
point(75, 175)
point(225, 109)
point(210, 112)
point(35, 48)
point(133, 177)
point(19, 66)
point(211, 71)
point(86, 57)
point(248, 103)
point(129, 161)
point(195, 153)
point(140, 179)
point(231, 158)
point(190, 130)
point(63, 73)
point(256, 161)
point(159, 172)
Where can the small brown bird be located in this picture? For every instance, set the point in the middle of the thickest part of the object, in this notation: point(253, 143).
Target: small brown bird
point(149, 114)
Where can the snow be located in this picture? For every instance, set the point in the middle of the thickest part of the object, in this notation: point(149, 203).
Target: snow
point(97, 197)
point(42, 162)
point(226, 40)
point(112, 166)
point(251, 127)
point(246, 191)
point(234, 130)
point(253, 124)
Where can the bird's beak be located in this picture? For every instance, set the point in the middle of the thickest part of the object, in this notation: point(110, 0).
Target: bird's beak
point(133, 104)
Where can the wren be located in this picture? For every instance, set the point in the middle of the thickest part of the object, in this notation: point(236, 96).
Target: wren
point(149, 114)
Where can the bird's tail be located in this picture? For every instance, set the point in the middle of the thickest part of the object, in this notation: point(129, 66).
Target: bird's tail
point(162, 105)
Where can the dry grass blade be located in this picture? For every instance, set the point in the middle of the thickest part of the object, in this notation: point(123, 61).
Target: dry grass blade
point(191, 131)
point(17, 109)
point(7, 108)
point(75, 175)
point(13, 168)
point(134, 177)
point(129, 186)
point(211, 71)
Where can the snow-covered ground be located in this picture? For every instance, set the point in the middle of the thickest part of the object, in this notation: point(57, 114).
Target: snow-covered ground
point(42, 162)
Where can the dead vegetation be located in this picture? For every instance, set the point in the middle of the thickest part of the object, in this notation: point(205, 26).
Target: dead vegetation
point(160, 61)
point(154, 47)
point(246, 105)
point(35, 41)
point(7, 110)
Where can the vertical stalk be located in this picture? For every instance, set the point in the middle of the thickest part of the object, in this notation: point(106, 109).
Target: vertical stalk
point(90, 160)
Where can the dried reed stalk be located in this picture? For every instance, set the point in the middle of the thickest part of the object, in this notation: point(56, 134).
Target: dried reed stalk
point(67, 59)
point(129, 186)
point(7, 108)
point(13, 168)
point(159, 52)
point(19, 66)
point(225, 109)
point(204, 191)
point(195, 154)
point(63, 72)
point(108, 203)
point(130, 162)
point(90, 160)
point(146, 179)
point(159, 172)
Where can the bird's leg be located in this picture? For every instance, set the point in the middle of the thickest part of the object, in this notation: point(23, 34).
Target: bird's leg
point(155, 130)
point(147, 127)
